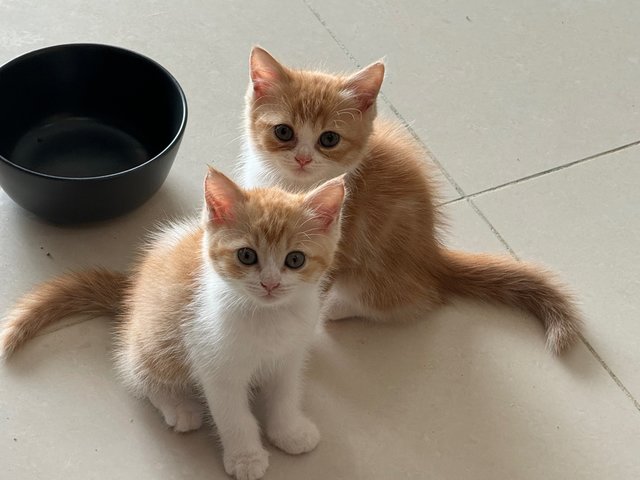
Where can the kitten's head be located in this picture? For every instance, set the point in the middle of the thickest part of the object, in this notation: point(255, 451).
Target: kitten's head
point(268, 243)
point(310, 126)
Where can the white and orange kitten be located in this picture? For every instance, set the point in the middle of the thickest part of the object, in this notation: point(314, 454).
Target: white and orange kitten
point(305, 127)
point(214, 308)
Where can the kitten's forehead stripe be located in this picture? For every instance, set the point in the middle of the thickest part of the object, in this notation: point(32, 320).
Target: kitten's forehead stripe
point(271, 219)
point(315, 98)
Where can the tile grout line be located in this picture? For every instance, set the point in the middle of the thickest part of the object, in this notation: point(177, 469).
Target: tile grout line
point(469, 198)
point(386, 100)
point(430, 154)
point(330, 32)
point(586, 343)
point(545, 172)
point(615, 378)
point(481, 214)
point(452, 201)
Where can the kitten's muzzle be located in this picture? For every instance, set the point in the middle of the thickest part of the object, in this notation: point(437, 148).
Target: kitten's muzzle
point(270, 286)
point(303, 160)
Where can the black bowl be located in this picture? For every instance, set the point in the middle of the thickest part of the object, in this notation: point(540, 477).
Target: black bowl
point(87, 132)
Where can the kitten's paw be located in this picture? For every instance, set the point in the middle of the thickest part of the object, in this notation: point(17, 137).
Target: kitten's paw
point(188, 416)
point(249, 465)
point(335, 310)
point(183, 415)
point(296, 437)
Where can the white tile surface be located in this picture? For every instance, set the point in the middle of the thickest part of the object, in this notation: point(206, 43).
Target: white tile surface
point(504, 89)
point(464, 230)
point(468, 393)
point(64, 416)
point(585, 221)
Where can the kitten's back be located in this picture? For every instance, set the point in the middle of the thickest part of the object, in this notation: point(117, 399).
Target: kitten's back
point(392, 259)
point(390, 225)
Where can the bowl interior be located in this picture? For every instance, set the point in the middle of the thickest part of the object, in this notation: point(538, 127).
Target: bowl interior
point(78, 111)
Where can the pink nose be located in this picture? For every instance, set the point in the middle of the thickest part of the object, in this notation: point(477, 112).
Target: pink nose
point(270, 286)
point(303, 159)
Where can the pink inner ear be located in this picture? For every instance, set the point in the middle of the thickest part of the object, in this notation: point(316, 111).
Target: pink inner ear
point(366, 84)
point(221, 196)
point(326, 202)
point(365, 101)
point(261, 86)
point(220, 212)
point(262, 79)
point(266, 72)
point(327, 217)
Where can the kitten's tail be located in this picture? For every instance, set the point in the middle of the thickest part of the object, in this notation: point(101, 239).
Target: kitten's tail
point(95, 292)
point(517, 284)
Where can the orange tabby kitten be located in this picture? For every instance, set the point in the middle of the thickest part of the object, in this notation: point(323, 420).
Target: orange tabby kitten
point(214, 308)
point(304, 127)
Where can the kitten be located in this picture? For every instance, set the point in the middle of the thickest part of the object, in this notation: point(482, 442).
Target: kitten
point(304, 127)
point(215, 308)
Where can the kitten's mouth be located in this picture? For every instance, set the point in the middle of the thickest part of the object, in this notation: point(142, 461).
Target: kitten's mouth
point(303, 175)
point(269, 297)
point(301, 171)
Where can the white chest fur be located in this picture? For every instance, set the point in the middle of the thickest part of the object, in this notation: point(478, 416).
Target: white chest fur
point(234, 344)
point(230, 334)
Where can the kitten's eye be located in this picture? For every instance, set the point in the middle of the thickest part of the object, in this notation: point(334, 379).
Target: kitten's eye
point(329, 139)
point(247, 256)
point(294, 260)
point(283, 132)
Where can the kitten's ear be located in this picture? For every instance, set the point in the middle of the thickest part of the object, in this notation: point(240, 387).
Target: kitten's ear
point(266, 72)
point(221, 197)
point(366, 84)
point(326, 201)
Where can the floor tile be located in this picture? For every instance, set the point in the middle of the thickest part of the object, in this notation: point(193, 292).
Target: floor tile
point(464, 229)
point(65, 416)
point(504, 90)
point(584, 222)
point(468, 392)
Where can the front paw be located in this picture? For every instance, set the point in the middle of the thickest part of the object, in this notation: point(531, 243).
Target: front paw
point(247, 465)
point(295, 437)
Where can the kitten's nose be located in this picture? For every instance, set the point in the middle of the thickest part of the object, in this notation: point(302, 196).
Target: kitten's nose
point(303, 159)
point(270, 286)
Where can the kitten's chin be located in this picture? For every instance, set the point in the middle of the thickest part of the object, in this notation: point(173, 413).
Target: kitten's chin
point(292, 170)
point(302, 178)
point(310, 177)
point(270, 300)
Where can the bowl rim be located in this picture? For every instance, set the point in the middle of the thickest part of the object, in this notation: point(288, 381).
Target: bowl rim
point(174, 140)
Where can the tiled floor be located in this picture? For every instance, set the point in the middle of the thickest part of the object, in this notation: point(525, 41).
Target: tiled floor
point(532, 112)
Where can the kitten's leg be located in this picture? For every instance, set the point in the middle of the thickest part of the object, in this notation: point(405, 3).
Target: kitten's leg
point(338, 306)
point(244, 456)
point(180, 412)
point(287, 427)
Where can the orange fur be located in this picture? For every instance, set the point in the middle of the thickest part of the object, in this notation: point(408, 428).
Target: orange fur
point(152, 303)
point(149, 334)
point(212, 309)
point(391, 263)
point(94, 292)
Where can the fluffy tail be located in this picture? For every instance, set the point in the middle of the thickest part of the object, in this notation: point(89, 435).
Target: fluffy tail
point(517, 284)
point(96, 292)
